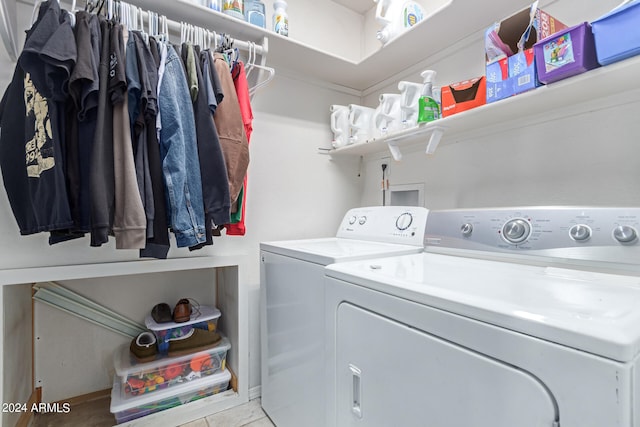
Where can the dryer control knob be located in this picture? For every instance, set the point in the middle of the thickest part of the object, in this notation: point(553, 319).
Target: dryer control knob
point(625, 234)
point(404, 221)
point(352, 219)
point(580, 232)
point(362, 220)
point(466, 229)
point(516, 230)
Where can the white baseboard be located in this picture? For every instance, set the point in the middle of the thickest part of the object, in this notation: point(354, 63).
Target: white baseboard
point(255, 392)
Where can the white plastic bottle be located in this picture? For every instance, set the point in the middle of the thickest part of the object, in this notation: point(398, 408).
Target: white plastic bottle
point(396, 16)
point(280, 18)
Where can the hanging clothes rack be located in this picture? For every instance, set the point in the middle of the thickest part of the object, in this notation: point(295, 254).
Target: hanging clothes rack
point(220, 39)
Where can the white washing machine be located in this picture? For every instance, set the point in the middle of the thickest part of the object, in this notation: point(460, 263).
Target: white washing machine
point(510, 318)
point(292, 304)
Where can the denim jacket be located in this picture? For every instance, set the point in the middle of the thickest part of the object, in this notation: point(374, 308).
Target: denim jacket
point(179, 155)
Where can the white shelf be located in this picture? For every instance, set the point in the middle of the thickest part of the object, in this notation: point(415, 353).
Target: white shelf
point(110, 269)
point(559, 98)
point(453, 22)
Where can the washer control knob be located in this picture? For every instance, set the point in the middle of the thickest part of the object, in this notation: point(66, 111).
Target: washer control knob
point(404, 221)
point(352, 219)
point(625, 234)
point(362, 220)
point(466, 229)
point(516, 230)
point(580, 232)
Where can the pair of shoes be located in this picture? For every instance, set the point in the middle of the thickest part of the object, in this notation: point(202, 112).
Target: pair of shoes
point(143, 347)
point(195, 340)
point(162, 313)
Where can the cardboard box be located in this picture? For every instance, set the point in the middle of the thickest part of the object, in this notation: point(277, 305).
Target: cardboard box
point(512, 39)
point(463, 96)
point(499, 86)
point(522, 71)
point(520, 32)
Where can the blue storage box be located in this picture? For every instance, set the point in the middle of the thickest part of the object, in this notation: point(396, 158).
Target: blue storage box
point(522, 71)
point(499, 85)
point(617, 34)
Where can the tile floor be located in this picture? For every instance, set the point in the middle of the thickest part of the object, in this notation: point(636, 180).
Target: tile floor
point(248, 415)
point(96, 414)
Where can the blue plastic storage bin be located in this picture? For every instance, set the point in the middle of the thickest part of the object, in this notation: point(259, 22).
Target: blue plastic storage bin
point(617, 34)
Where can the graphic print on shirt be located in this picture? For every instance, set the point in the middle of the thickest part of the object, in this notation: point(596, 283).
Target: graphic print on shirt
point(39, 149)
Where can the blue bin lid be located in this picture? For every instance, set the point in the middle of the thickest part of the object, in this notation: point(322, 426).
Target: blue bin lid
point(618, 9)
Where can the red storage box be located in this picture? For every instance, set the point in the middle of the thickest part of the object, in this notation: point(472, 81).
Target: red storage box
point(463, 96)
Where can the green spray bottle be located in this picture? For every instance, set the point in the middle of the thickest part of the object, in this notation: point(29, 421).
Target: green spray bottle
point(428, 108)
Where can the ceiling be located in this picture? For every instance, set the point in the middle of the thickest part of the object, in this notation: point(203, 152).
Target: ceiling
point(359, 6)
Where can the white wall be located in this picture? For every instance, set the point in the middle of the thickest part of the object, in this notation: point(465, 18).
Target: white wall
point(589, 158)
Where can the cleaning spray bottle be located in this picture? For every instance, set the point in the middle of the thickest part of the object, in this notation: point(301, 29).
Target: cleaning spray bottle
point(396, 16)
point(428, 108)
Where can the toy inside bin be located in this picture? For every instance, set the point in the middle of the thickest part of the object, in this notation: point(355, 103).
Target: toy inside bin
point(164, 372)
point(202, 317)
point(129, 409)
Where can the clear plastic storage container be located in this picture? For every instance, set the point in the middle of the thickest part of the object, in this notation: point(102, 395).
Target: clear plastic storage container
point(129, 409)
point(202, 317)
point(166, 373)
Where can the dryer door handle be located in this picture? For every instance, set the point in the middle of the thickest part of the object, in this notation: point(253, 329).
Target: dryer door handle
point(356, 390)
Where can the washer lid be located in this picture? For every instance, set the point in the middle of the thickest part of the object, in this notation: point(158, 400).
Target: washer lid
point(330, 250)
point(594, 312)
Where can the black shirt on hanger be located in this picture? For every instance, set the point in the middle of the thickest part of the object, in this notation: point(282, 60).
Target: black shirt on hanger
point(102, 175)
point(32, 121)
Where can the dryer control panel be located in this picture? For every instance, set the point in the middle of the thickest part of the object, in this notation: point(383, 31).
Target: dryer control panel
point(575, 233)
point(390, 224)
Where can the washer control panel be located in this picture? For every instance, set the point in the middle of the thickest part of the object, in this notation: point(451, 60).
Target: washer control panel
point(589, 233)
point(391, 224)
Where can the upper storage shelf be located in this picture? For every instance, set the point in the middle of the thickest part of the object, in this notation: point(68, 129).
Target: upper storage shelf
point(453, 22)
point(546, 103)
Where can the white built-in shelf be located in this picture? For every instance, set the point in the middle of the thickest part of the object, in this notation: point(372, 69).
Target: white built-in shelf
point(453, 22)
point(559, 99)
point(110, 269)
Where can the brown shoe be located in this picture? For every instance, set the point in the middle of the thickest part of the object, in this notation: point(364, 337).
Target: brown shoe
point(143, 347)
point(196, 340)
point(182, 311)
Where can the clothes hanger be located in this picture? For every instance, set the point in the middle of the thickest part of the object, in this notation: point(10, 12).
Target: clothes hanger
point(165, 29)
point(271, 73)
point(248, 66)
point(36, 5)
point(145, 35)
point(72, 14)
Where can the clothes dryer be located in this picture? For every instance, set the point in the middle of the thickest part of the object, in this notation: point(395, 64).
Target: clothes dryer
point(292, 304)
point(510, 317)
